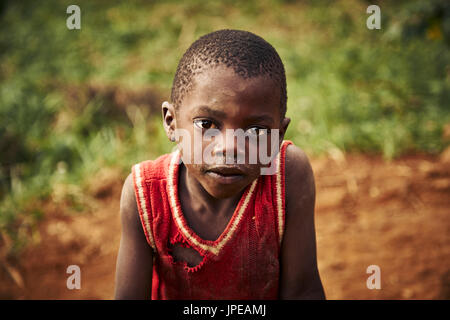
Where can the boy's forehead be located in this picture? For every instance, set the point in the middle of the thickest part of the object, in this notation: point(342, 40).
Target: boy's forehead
point(221, 85)
point(227, 81)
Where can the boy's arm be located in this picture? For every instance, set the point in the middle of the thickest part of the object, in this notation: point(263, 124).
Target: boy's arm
point(135, 259)
point(299, 274)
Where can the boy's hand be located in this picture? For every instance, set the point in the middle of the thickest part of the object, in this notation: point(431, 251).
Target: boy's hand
point(135, 259)
point(299, 274)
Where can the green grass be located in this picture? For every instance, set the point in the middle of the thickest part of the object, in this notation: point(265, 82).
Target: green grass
point(61, 118)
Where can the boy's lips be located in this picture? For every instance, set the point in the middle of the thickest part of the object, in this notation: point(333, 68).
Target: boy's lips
point(226, 170)
point(226, 174)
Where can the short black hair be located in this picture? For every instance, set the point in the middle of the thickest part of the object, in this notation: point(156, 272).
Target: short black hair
point(248, 54)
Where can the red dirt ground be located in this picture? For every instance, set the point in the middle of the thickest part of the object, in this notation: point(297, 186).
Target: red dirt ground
point(368, 212)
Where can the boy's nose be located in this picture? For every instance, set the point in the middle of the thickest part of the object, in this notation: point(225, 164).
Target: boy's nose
point(228, 149)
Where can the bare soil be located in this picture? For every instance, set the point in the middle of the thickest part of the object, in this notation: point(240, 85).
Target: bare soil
point(368, 212)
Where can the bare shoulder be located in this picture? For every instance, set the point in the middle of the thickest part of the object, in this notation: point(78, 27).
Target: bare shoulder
point(299, 177)
point(296, 159)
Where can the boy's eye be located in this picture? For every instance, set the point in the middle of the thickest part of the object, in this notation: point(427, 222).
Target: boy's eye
point(258, 131)
point(203, 124)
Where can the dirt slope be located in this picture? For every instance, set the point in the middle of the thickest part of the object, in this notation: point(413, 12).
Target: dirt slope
point(368, 212)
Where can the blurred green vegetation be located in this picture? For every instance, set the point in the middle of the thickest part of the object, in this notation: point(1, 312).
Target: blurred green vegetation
point(73, 102)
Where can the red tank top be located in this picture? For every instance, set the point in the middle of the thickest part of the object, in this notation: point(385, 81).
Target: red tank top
point(243, 263)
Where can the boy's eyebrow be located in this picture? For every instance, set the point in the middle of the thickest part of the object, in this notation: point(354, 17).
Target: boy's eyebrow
point(261, 118)
point(223, 115)
point(217, 113)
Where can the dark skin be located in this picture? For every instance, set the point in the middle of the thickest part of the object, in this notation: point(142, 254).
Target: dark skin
point(231, 102)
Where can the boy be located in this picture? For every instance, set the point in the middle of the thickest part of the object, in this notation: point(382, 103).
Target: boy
point(215, 230)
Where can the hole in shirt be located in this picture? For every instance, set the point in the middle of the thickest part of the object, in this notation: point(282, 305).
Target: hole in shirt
point(185, 254)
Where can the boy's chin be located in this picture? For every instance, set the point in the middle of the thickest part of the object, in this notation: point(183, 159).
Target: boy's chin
point(223, 192)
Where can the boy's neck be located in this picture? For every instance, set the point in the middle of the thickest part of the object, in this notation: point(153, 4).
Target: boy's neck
point(201, 200)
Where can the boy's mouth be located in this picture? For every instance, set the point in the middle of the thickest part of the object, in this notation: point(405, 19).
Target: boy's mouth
point(226, 174)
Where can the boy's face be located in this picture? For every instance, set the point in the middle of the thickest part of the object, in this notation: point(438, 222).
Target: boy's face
point(222, 100)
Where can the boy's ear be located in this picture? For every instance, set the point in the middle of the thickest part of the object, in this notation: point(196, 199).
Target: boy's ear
point(283, 128)
point(169, 123)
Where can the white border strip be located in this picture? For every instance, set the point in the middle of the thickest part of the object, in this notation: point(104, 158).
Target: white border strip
point(137, 170)
point(279, 197)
